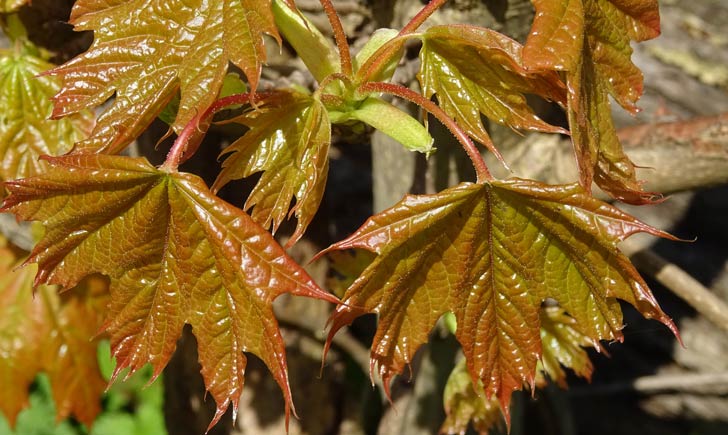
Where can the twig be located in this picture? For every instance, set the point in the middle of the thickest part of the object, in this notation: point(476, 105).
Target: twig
point(343, 340)
point(697, 383)
point(680, 283)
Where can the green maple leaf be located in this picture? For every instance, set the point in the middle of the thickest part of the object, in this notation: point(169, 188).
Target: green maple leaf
point(8, 6)
point(144, 51)
point(465, 405)
point(491, 254)
point(590, 40)
point(474, 71)
point(26, 133)
point(51, 333)
point(563, 346)
point(288, 141)
point(175, 254)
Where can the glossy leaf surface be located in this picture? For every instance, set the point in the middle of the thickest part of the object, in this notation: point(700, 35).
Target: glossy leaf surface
point(175, 254)
point(288, 141)
point(474, 71)
point(50, 333)
point(590, 40)
point(25, 130)
point(491, 254)
point(144, 51)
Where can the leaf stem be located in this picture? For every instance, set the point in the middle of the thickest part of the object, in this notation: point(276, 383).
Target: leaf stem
point(179, 153)
point(421, 16)
point(339, 36)
point(381, 57)
point(481, 169)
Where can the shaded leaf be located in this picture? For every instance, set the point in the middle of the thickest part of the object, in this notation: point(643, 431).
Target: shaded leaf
point(590, 40)
point(175, 254)
point(563, 345)
point(288, 141)
point(144, 51)
point(465, 405)
point(25, 130)
point(51, 333)
point(474, 71)
point(491, 254)
point(346, 266)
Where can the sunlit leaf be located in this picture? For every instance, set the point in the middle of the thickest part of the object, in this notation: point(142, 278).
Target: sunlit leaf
point(563, 346)
point(25, 130)
point(175, 254)
point(288, 141)
point(491, 254)
point(144, 51)
point(50, 333)
point(474, 71)
point(590, 40)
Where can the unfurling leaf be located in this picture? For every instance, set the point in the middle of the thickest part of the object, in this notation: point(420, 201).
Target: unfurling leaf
point(145, 51)
point(590, 40)
point(51, 333)
point(175, 254)
point(314, 49)
point(563, 345)
point(288, 140)
point(463, 404)
point(474, 71)
point(491, 254)
point(390, 120)
point(25, 130)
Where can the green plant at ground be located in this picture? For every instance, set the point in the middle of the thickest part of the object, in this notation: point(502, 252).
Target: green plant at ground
point(530, 273)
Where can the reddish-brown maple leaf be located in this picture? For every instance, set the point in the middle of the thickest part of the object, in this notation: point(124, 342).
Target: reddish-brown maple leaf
point(288, 141)
point(50, 333)
point(590, 40)
point(175, 254)
point(474, 71)
point(562, 346)
point(491, 254)
point(144, 51)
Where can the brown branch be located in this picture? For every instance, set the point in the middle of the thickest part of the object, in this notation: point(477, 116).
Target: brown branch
point(679, 282)
point(697, 383)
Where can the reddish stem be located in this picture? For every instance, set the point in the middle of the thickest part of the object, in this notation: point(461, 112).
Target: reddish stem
point(382, 56)
point(421, 16)
point(481, 169)
point(178, 154)
point(339, 36)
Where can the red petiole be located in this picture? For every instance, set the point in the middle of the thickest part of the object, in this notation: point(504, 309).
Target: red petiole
point(481, 169)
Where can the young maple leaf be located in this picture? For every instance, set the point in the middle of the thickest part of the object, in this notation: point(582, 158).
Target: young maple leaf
point(43, 331)
point(474, 71)
point(289, 140)
point(26, 133)
point(590, 40)
point(491, 254)
point(175, 254)
point(144, 51)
